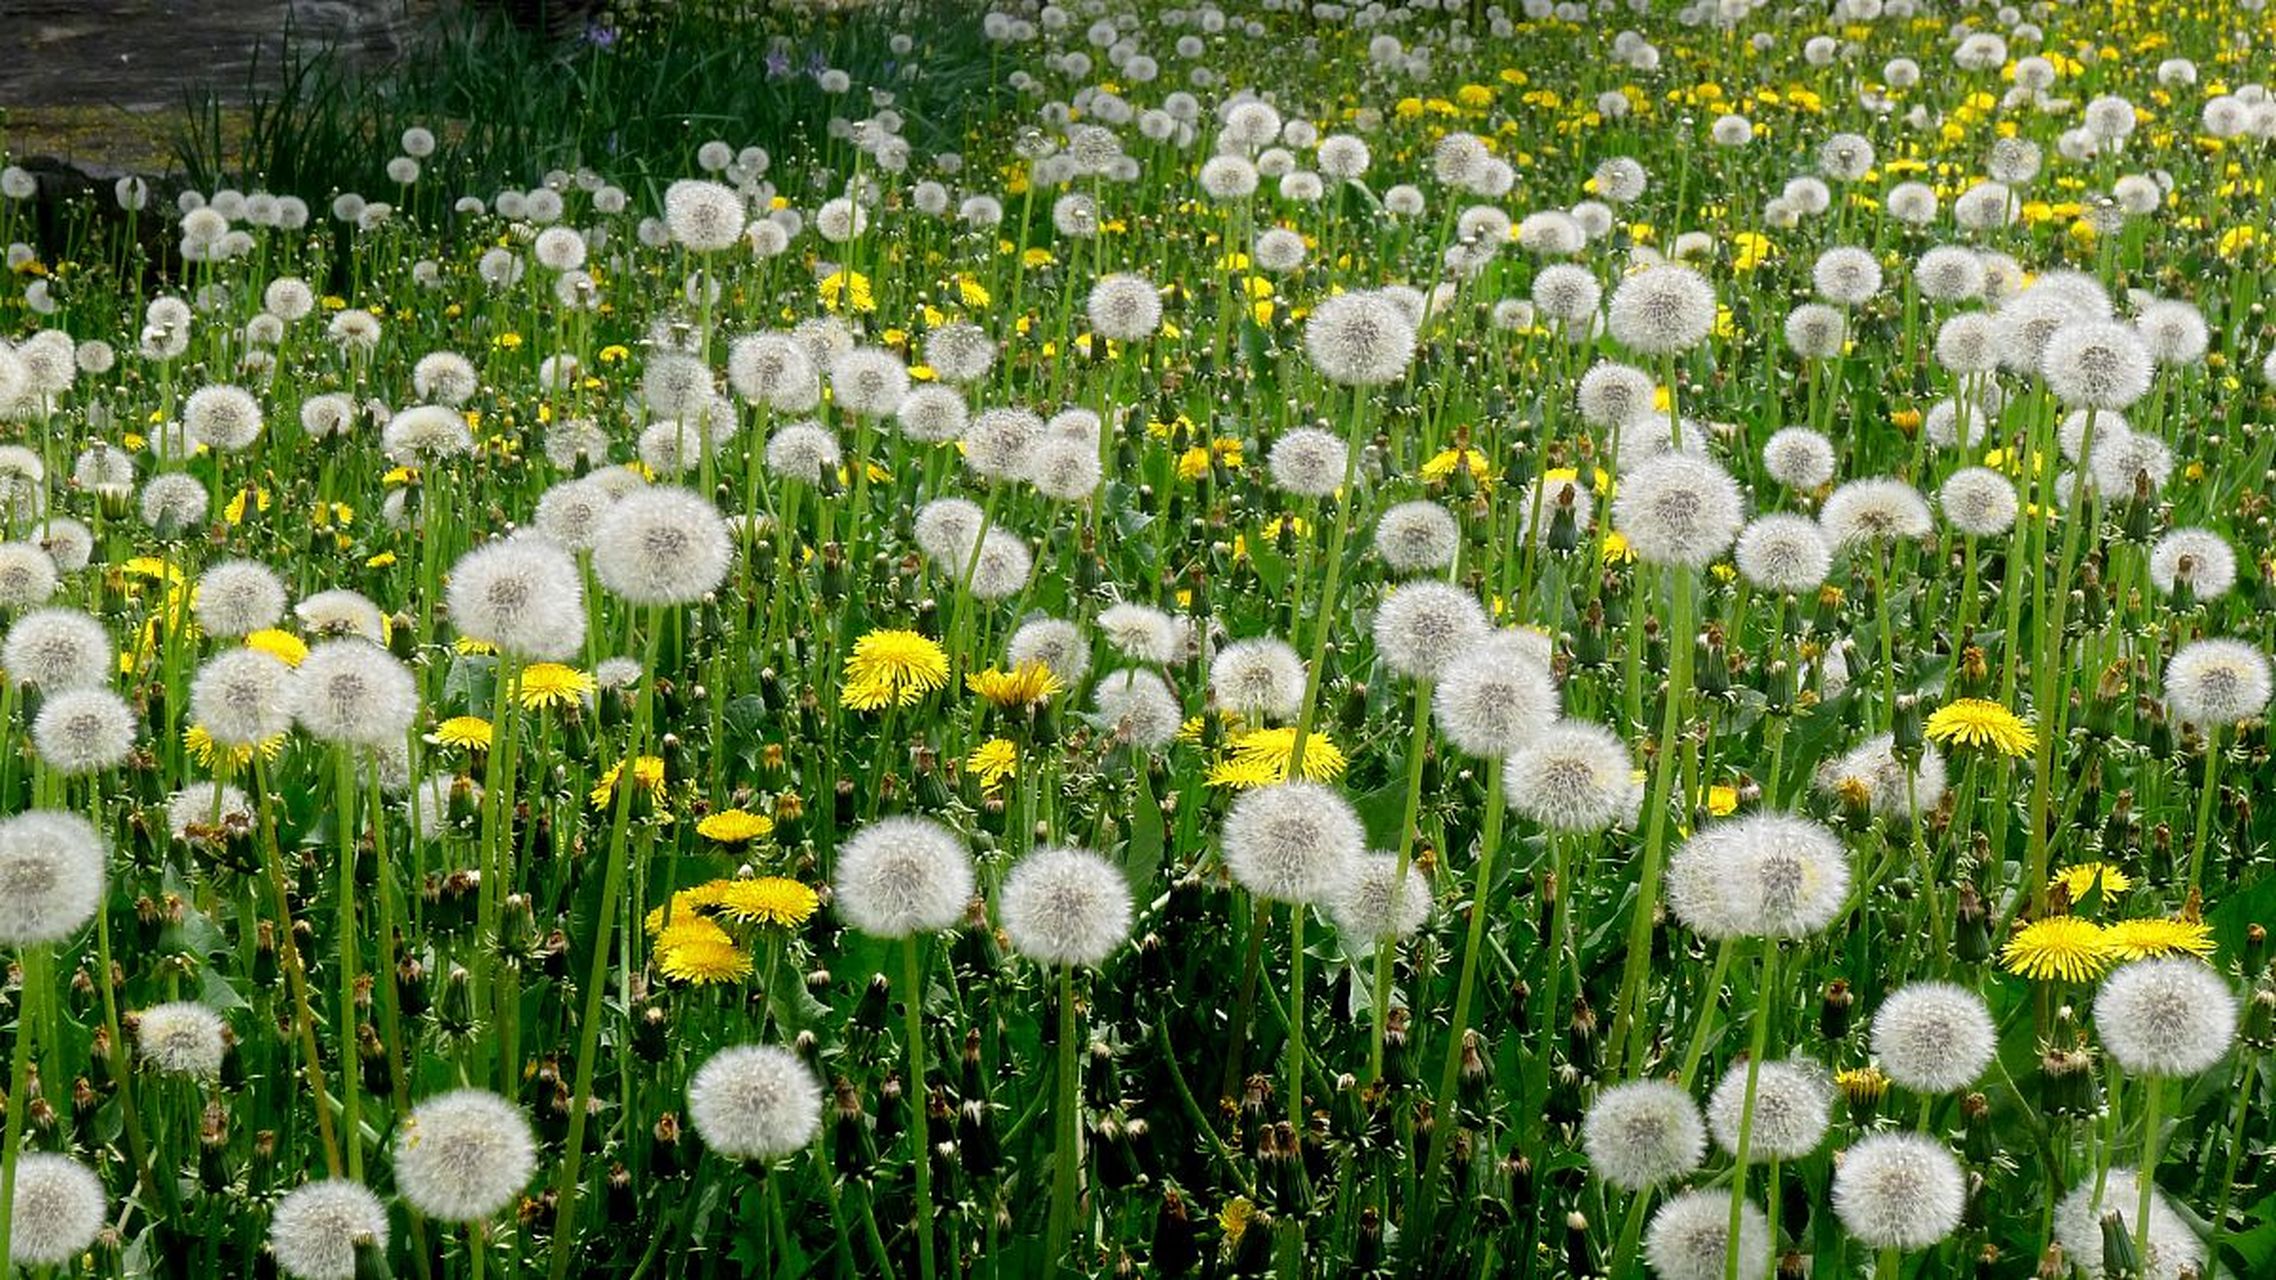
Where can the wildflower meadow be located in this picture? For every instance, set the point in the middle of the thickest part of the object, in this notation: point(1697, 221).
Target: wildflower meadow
point(1226, 638)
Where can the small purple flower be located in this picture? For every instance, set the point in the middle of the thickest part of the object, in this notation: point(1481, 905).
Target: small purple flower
point(600, 35)
point(778, 63)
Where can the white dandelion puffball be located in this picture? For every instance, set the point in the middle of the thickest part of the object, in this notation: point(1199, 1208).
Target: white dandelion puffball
point(1678, 510)
point(933, 413)
point(1643, 1133)
point(2173, 1246)
point(1136, 708)
point(27, 575)
point(902, 876)
point(1261, 677)
point(1846, 276)
point(56, 649)
point(58, 1210)
point(1125, 307)
point(314, 1229)
point(221, 417)
point(1784, 876)
point(1934, 1037)
point(1417, 537)
point(2200, 557)
point(1294, 842)
point(773, 369)
point(1798, 458)
point(1875, 509)
point(1058, 645)
point(182, 1038)
point(353, 692)
point(868, 382)
point(1066, 906)
point(2216, 682)
point(703, 216)
point(523, 594)
point(1661, 310)
point(1421, 624)
point(997, 442)
point(1892, 788)
point(1783, 552)
point(1360, 339)
point(661, 546)
point(755, 1102)
point(1899, 1191)
point(1690, 1237)
point(1572, 775)
point(2096, 364)
point(51, 876)
point(1308, 461)
point(238, 597)
point(240, 697)
point(1140, 631)
point(463, 1156)
point(1792, 1107)
point(959, 352)
point(1377, 903)
point(2172, 1016)
point(81, 731)
point(802, 451)
point(1494, 696)
point(1980, 502)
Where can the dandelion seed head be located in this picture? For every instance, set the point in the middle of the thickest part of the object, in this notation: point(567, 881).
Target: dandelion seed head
point(182, 1038)
point(997, 442)
point(1571, 775)
point(1898, 1190)
point(1783, 552)
point(1295, 842)
point(1934, 1037)
point(802, 451)
point(1360, 339)
point(901, 876)
point(81, 731)
point(463, 1156)
point(1417, 537)
point(1678, 510)
point(1261, 677)
point(1422, 623)
point(1377, 903)
point(1690, 1237)
point(1495, 696)
point(354, 693)
point(56, 649)
point(1066, 906)
point(1136, 707)
point(1661, 310)
point(1792, 1108)
point(2173, 1246)
point(755, 1102)
point(1308, 461)
point(1979, 502)
point(2200, 557)
point(1798, 458)
point(314, 1228)
point(1643, 1133)
point(51, 876)
point(2211, 682)
point(2171, 1016)
point(661, 546)
point(58, 1210)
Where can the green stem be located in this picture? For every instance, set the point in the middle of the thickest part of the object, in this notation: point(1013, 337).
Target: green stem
point(1066, 1163)
point(31, 992)
point(1764, 999)
point(1627, 1041)
point(913, 1000)
point(1387, 948)
point(1443, 1121)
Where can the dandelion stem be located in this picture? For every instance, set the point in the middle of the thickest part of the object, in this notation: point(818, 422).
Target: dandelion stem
point(1386, 949)
point(2146, 1177)
point(2205, 802)
point(1765, 1000)
point(29, 993)
point(1067, 1160)
point(920, 1100)
point(1627, 1039)
point(1443, 1118)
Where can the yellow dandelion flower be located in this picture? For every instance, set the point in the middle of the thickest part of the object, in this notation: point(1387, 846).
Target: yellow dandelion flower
point(2079, 881)
point(551, 684)
point(647, 770)
point(1862, 1085)
point(1024, 685)
point(898, 667)
point(1616, 549)
point(993, 761)
point(474, 648)
point(837, 295)
point(734, 826)
point(1722, 801)
point(471, 733)
point(1442, 464)
point(773, 900)
point(2058, 948)
point(2158, 936)
point(284, 646)
point(206, 751)
point(1234, 1218)
point(702, 963)
point(1259, 757)
point(687, 904)
point(1977, 722)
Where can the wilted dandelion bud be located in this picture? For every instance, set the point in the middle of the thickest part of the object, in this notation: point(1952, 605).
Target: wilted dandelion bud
point(316, 1229)
point(1066, 906)
point(464, 1155)
point(1678, 510)
point(1643, 1133)
point(755, 1102)
point(1690, 1238)
point(1792, 1102)
point(1898, 1191)
point(2165, 1017)
point(1934, 1037)
point(1294, 842)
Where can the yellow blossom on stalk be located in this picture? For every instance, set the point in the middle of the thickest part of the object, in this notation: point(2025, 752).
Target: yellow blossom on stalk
point(1722, 801)
point(837, 295)
point(1259, 757)
point(734, 826)
point(2079, 881)
point(768, 900)
point(993, 761)
point(1234, 1218)
point(648, 771)
point(1024, 685)
point(1442, 464)
point(686, 905)
point(1616, 549)
point(2158, 936)
point(1193, 464)
point(284, 646)
point(474, 648)
point(551, 684)
point(2063, 948)
point(1862, 1085)
point(897, 667)
point(1977, 722)
point(206, 751)
point(470, 732)
point(972, 292)
point(702, 961)
point(234, 512)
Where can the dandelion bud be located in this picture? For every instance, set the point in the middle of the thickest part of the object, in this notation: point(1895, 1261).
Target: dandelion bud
point(1177, 1237)
point(457, 1012)
point(1580, 1247)
point(1834, 1010)
point(2255, 950)
point(2068, 1085)
point(2118, 1257)
point(1906, 738)
point(1863, 1089)
point(1971, 939)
